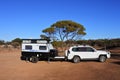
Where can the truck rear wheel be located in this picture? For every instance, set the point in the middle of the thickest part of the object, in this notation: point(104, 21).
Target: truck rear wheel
point(76, 59)
point(34, 59)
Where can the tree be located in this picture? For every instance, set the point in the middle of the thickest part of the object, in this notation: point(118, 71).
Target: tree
point(18, 40)
point(2, 42)
point(65, 30)
point(49, 33)
point(44, 37)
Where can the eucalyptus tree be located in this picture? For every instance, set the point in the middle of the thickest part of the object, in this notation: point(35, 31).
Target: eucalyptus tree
point(65, 30)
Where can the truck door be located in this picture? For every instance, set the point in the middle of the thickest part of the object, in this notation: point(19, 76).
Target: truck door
point(85, 52)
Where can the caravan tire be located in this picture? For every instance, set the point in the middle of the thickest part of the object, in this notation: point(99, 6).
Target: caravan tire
point(34, 59)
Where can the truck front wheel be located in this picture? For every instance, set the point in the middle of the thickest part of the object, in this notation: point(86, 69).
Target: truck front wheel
point(102, 58)
point(34, 59)
point(76, 59)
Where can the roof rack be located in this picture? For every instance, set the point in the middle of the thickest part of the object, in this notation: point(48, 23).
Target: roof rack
point(40, 41)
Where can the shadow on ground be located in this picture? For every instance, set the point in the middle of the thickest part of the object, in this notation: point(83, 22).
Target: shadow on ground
point(117, 62)
point(115, 56)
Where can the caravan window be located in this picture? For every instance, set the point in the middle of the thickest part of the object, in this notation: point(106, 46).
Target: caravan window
point(42, 47)
point(28, 47)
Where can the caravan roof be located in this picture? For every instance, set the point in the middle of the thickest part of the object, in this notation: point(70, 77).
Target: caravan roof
point(40, 41)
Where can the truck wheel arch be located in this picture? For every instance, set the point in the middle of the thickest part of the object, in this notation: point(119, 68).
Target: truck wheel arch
point(102, 55)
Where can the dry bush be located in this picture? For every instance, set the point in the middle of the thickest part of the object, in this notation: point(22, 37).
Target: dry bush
point(9, 50)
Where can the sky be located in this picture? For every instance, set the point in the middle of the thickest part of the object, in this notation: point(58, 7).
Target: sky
point(27, 18)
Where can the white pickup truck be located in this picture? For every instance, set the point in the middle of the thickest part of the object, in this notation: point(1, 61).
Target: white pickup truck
point(85, 52)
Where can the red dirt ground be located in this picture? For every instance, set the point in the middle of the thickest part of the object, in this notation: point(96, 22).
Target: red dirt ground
point(12, 68)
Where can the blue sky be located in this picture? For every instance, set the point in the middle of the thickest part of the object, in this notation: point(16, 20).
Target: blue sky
point(27, 18)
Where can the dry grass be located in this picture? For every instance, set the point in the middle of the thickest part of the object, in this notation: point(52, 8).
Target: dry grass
point(9, 50)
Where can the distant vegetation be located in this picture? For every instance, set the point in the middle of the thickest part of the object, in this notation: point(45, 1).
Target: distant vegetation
point(16, 43)
point(108, 43)
point(103, 43)
point(2, 42)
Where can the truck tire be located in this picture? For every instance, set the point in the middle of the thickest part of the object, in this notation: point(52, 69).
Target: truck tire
point(76, 59)
point(102, 58)
point(34, 59)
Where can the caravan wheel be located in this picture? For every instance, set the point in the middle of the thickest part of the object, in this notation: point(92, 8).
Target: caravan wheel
point(34, 59)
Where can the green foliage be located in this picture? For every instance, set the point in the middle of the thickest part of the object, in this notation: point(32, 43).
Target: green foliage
point(49, 33)
point(65, 30)
point(18, 40)
point(2, 42)
point(103, 43)
point(49, 30)
point(44, 37)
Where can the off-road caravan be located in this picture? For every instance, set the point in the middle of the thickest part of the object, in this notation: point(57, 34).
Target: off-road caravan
point(36, 49)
